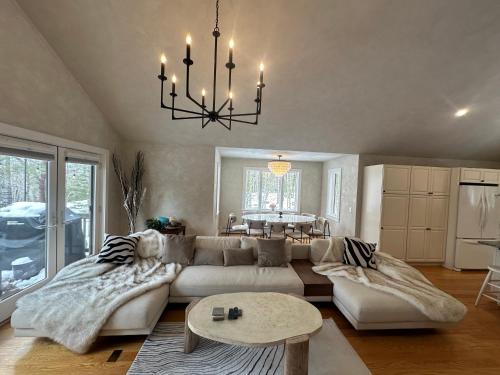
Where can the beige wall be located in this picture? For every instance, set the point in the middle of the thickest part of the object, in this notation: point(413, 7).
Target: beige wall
point(231, 194)
point(348, 196)
point(38, 92)
point(179, 182)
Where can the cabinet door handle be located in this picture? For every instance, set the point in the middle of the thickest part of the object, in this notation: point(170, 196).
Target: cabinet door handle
point(381, 227)
point(430, 192)
point(427, 228)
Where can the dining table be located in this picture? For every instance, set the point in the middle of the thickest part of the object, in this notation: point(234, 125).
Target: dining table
point(276, 218)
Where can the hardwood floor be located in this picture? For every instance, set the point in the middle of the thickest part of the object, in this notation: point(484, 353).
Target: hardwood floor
point(470, 348)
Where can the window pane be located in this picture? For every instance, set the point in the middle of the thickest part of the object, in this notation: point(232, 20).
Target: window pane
point(79, 212)
point(291, 191)
point(270, 191)
point(252, 189)
point(23, 223)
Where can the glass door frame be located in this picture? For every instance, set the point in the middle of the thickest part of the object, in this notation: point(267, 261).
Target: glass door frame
point(97, 232)
point(33, 140)
point(8, 305)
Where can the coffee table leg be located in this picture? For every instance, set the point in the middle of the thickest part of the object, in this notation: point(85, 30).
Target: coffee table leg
point(190, 338)
point(297, 355)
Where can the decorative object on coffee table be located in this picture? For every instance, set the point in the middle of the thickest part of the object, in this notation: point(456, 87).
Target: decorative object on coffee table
point(269, 319)
point(133, 190)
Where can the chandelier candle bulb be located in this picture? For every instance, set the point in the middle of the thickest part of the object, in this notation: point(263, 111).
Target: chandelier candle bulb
point(174, 80)
point(231, 46)
point(188, 47)
point(261, 68)
point(163, 60)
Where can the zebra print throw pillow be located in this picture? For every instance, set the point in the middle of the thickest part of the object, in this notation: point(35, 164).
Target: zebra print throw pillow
point(118, 250)
point(359, 253)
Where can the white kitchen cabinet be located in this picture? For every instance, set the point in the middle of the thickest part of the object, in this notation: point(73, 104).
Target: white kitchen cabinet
point(425, 245)
point(405, 210)
point(395, 210)
point(420, 180)
point(396, 179)
point(430, 180)
point(476, 175)
point(393, 241)
point(440, 181)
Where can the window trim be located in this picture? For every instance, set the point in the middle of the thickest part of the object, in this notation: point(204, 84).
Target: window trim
point(263, 169)
point(335, 216)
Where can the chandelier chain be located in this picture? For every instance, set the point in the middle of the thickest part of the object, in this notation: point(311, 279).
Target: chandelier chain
point(216, 15)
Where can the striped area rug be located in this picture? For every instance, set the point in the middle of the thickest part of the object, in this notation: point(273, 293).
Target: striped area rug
point(163, 353)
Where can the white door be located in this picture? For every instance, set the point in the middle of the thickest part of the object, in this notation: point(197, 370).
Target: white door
point(436, 244)
point(419, 211)
point(469, 211)
point(397, 179)
point(27, 219)
point(420, 180)
point(489, 176)
point(440, 181)
point(395, 211)
point(438, 213)
point(470, 175)
point(470, 254)
point(393, 241)
point(417, 243)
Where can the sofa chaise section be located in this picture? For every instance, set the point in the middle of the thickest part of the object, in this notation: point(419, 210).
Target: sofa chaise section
point(367, 308)
point(136, 317)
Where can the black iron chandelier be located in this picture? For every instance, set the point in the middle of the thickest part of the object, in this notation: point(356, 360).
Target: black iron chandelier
point(211, 113)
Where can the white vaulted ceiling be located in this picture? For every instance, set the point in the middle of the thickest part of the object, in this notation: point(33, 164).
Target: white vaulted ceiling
point(351, 76)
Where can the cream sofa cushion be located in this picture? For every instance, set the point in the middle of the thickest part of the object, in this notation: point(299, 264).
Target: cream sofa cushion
point(368, 305)
point(319, 249)
point(138, 313)
point(251, 242)
point(201, 281)
point(217, 243)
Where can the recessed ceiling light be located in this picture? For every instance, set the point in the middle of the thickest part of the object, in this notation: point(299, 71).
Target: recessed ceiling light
point(461, 112)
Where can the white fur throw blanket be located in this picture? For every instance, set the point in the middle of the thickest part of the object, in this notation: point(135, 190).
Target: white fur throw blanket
point(76, 304)
point(402, 280)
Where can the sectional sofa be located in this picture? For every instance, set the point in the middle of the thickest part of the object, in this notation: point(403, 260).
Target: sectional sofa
point(365, 308)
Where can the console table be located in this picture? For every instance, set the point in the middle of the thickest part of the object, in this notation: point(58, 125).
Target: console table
point(178, 229)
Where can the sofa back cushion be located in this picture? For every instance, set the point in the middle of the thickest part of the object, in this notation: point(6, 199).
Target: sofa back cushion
point(238, 257)
point(178, 249)
point(220, 243)
point(321, 251)
point(271, 252)
point(208, 257)
point(251, 242)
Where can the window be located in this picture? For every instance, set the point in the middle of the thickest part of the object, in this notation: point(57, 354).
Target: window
point(334, 189)
point(262, 190)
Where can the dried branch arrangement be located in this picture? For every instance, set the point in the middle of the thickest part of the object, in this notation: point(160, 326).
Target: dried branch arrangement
point(133, 190)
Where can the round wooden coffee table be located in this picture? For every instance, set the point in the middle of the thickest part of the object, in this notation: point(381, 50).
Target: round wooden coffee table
point(268, 319)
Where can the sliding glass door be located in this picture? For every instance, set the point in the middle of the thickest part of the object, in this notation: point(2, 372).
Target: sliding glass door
point(50, 214)
point(27, 218)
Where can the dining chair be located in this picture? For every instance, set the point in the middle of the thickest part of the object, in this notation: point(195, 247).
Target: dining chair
point(494, 286)
point(231, 228)
point(321, 229)
point(256, 228)
point(277, 230)
point(301, 232)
